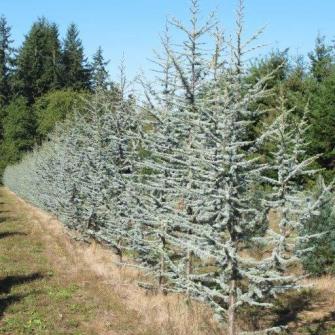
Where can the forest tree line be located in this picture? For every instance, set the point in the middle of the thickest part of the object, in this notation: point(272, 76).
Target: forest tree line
point(43, 79)
point(40, 83)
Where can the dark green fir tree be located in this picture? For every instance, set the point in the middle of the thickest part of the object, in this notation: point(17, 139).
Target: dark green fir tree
point(39, 61)
point(99, 75)
point(6, 61)
point(76, 73)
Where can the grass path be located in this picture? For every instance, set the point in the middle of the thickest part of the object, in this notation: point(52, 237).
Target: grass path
point(44, 291)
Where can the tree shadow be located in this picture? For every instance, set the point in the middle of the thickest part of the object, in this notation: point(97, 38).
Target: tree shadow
point(5, 302)
point(6, 285)
point(290, 305)
point(7, 216)
point(8, 282)
point(288, 308)
point(11, 233)
point(289, 311)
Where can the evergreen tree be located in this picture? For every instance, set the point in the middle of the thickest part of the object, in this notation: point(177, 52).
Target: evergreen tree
point(321, 59)
point(6, 62)
point(56, 57)
point(38, 61)
point(76, 74)
point(276, 65)
point(320, 256)
point(297, 87)
point(99, 73)
point(322, 116)
point(19, 130)
point(206, 171)
point(321, 92)
point(172, 107)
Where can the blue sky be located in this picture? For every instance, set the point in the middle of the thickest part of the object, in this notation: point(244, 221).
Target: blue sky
point(133, 26)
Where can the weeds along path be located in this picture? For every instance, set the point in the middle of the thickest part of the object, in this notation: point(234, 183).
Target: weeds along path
point(50, 284)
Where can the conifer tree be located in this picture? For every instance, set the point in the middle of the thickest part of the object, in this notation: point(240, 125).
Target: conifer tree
point(99, 73)
point(322, 120)
point(75, 73)
point(6, 61)
point(319, 258)
point(213, 171)
point(121, 125)
point(322, 59)
point(150, 211)
point(19, 130)
point(172, 107)
point(38, 61)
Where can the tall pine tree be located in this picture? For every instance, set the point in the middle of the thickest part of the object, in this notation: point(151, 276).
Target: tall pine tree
point(321, 59)
point(38, 61)
point(322, 116)
point(19, 130)
point(6, 60)
point(6, 63)
point(76, 73)
point(100, 76)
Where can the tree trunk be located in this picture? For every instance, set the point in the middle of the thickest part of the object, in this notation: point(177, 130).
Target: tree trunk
point(119, 253)
point(231, 309)
point(161, 280)
point(120, 257)
point(189, 269)
point(189, 263)
point(161, 274)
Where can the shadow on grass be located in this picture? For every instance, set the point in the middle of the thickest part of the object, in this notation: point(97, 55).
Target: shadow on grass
point(289, 306)
point(6, 285)
point(285, 312)
point(11, 233)
point(8, 282)
point(7, 218)
point(5, 302)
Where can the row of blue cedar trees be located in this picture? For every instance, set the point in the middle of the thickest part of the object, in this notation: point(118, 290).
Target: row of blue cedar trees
point(42, 81)
point(185, 181)
point(43, 72)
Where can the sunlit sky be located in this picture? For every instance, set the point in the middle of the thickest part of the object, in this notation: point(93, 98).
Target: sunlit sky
point(132, 27)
